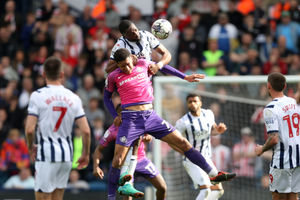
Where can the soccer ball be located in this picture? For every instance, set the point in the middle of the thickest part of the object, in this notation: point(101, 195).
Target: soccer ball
point(161, 28)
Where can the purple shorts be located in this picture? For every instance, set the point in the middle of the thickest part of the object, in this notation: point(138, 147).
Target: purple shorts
point(136, 123)
point(146, 169)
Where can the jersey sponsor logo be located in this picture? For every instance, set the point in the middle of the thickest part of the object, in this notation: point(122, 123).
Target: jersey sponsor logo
point(139, 76)
point(123, 139)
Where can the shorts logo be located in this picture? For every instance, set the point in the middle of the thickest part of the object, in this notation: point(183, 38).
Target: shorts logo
point(123, 139)
point(271, 178)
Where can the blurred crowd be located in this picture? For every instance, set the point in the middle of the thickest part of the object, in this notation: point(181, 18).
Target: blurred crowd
point(226, 39)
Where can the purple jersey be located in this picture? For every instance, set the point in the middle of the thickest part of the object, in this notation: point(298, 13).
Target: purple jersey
point(133, 88)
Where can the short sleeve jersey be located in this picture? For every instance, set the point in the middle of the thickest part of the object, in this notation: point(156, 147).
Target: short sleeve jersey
point(282, 116)
point(56, 109)
point(197, 130)
point(133, 88)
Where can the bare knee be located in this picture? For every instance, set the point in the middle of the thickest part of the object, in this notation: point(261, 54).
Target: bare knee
point(184, 145)
point(117, 161)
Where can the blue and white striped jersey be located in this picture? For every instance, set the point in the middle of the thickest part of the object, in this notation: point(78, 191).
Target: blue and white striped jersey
point(56, 108)
point(142, 49)
point(197, 130)
point(282, 115)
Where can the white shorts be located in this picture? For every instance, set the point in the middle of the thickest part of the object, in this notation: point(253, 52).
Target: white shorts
point(284, 180)
point(198, 176)
point(50, 176)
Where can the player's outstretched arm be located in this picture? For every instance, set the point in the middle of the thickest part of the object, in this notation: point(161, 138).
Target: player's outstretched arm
point(190, 78)
point(83, 125)
point(97, 171)
point(30, 126)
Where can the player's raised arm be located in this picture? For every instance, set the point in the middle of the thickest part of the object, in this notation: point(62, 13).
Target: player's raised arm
point(166, 58)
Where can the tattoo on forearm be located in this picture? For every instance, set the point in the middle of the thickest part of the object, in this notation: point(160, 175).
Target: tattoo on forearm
point(269, 143)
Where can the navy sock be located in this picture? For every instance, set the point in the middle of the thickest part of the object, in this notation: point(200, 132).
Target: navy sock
point(113, 178)
point(196, 157)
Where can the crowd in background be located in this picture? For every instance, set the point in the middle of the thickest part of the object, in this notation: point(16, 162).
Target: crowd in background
point(234, 41)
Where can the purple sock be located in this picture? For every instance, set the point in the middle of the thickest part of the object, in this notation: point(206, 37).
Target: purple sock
point(195, 157)
point(113, 177)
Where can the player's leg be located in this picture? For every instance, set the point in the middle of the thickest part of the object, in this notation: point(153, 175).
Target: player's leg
point(43, 196)
point(216, 192)
point(128, 168)
point(161, 187)
point(178, 142)
point(200, 179)
point(58, 194)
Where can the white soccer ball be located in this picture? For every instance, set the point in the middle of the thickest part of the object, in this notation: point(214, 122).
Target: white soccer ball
point(161, 28)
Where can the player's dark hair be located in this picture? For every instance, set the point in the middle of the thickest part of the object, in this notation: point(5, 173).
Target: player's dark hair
point(121, 54)
point(192, 95)
point(124, 26)
point(277, 81)
point(52, 68)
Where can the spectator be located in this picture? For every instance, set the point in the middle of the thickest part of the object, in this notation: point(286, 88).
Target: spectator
point(290, 30)
point(59, 17)
point(294, 11)
point(295, 65)
point(99, 76)
point(136, 17)
point(4, 127)
point(27, 86)
point(249, 26)
point(14, 153)
point(212, 58)
point(275, 62)
point(260, 20)
point(174, 8)
point(87, 90)
point(194, 68)
point(27, 30)
point(16, 115)
point(8, 44)
point(240, 54)
point(85, 21)
point(160, 11)
point(221, 155)
point(188, 43)
point(212, 17)
point(184, 17)
point(98, 128)
point(252, 60)
point(46, 11)
point(285, 54)
point(234, 16)
point(71, 80)
point(100, 26)
point(41, 37)
point(93, 111)
point(69, 34)
point(112, 17)
point(244, 156)
point(10, 17)
point(75, 182)
point(199, 27)
point(23, 180)
point(225, 33)
point(184, 61)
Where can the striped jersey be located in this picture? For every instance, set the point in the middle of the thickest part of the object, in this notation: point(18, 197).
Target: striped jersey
point(142, 48)
point(282, 115)
point(56, 109)
point(197, 130)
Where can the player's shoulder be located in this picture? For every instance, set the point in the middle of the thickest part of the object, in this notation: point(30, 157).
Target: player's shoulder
point(114, 73)
point(207, 112)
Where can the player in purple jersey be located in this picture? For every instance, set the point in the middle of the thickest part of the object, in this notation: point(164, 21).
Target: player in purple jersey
point(132, 81)
point(144, 166)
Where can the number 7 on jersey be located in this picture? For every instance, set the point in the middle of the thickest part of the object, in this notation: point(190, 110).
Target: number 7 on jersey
point(63, 111)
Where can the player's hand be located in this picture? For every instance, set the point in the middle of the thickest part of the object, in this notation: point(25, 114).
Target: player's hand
point(221, 128)
point(153, 68)
point(147, 138)
point(83, 161)
point(194, 77)
point(32, 152)
point(258, 150)
point(118, 121)
point(98, 172)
